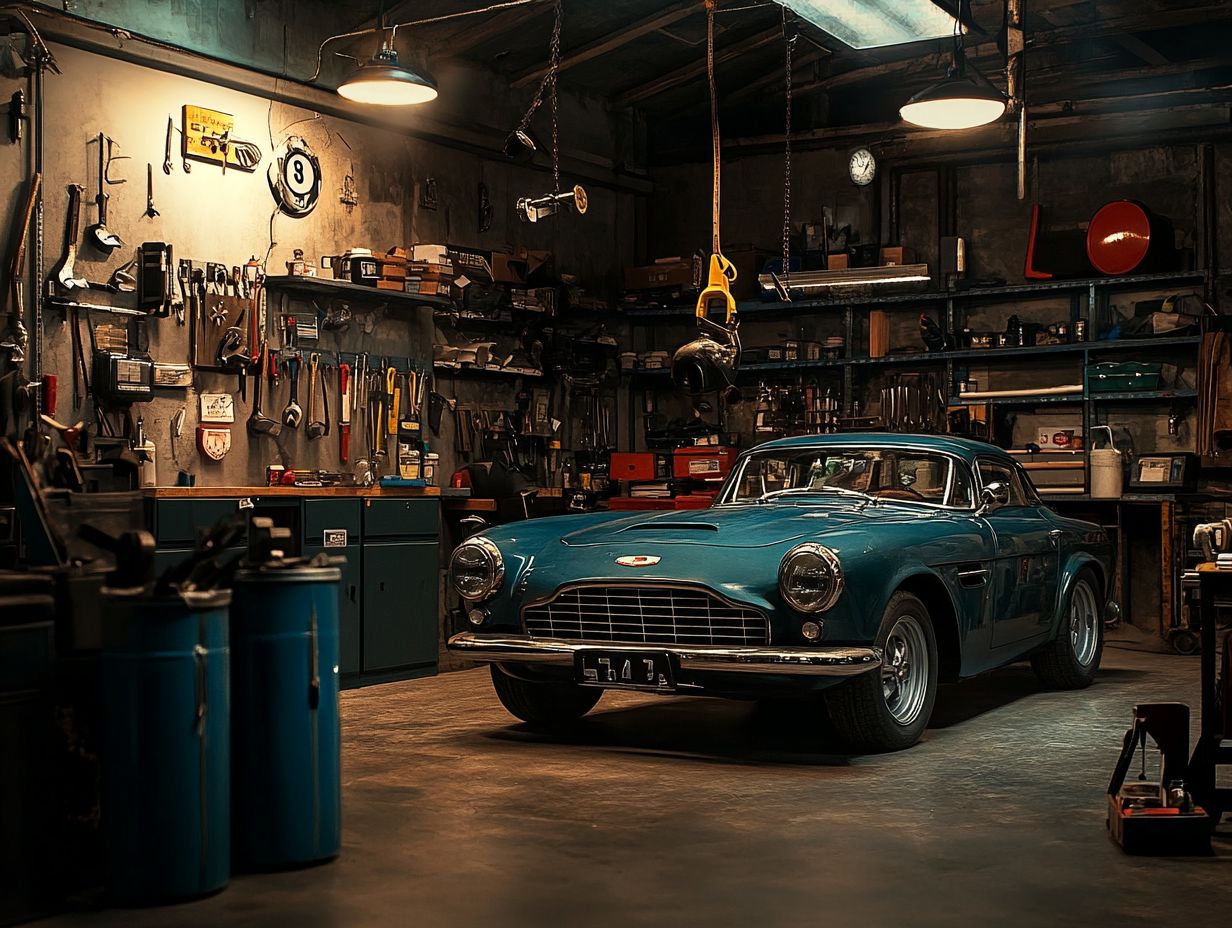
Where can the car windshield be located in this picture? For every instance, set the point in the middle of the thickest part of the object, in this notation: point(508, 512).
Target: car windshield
point(871, 474)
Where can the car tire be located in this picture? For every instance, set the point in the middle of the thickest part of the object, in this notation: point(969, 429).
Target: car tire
point(544, 704)
point(1071, 660)
point(889, 710)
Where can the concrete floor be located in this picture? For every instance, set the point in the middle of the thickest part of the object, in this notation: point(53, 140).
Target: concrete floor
point(691, 811)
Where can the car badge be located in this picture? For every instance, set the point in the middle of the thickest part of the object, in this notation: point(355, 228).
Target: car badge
point(638, 560)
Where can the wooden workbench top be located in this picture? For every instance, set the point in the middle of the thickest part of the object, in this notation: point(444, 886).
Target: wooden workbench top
point(240, 492)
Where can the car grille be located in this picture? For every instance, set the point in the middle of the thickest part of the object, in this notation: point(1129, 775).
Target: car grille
point(645, 615)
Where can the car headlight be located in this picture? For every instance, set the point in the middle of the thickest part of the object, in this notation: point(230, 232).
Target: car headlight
point(810, 578)
point(476, 569)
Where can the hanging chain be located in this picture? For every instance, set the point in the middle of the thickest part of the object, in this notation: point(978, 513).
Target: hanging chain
point(789, 42)
point(715, 140)
point(548, 84)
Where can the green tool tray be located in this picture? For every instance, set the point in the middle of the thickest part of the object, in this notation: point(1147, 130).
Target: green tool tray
point(1117, 376)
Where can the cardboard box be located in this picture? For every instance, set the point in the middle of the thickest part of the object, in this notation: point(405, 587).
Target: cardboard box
point(686, 273)
point(896, 255)
point(471, 263)
point(836, 262)
point(878, 333)
point(519, 266)
point(432, 254)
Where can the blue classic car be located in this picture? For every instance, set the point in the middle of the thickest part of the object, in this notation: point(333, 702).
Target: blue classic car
point(869, 567)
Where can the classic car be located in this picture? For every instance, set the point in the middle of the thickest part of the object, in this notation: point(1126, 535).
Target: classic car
point(866, 567)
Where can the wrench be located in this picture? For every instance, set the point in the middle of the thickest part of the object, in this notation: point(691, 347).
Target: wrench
point(293, 415)
point(65, 273)
point(149, 191)
point(167, 165)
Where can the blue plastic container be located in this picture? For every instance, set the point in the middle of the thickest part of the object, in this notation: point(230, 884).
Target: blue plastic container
point(166, 804)
point(285, 730)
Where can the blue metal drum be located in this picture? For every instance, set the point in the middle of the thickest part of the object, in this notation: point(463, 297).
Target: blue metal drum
point(166, 745)
point(285, 730)
point(27, 803)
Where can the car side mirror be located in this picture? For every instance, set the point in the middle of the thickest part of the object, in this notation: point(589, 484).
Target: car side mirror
point(992, 496)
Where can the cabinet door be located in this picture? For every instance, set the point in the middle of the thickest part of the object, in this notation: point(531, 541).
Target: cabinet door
point(400, 604)
point(350, 632)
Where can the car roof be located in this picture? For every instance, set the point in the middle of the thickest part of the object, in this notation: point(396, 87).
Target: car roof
point(966, 448)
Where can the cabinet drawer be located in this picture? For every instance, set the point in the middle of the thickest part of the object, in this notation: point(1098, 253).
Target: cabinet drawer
point(385, 518)
point(179, 521)
point(322, 515)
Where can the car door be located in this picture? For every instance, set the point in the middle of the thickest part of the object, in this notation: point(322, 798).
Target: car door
point(1025, 568)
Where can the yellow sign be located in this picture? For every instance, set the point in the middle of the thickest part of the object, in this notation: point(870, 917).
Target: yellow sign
point(210, 136)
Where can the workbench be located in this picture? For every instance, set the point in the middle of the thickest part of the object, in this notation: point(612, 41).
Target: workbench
point(1164, 520)
point(389, 609)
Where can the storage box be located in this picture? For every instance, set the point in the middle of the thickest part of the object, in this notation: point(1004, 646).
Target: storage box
point(666, 272)
point(896, 255)
point(712, 462)
point(836, 262)
point(878, 333)
point(519, 266)
point(1115, 376)
point(643, 465)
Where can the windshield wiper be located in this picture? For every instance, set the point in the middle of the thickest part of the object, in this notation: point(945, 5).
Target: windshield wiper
point(802, 491)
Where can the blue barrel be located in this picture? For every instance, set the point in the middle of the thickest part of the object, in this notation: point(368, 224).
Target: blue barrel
point(166, 805)
point(27, 803)
point(285, 731)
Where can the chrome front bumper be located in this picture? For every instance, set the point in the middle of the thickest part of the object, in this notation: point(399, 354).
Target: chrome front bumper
point(819, 662)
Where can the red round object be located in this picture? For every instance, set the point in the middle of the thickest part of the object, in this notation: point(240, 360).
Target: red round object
point(1119, 237)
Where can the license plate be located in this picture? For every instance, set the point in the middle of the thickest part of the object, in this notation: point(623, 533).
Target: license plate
point(624, 670)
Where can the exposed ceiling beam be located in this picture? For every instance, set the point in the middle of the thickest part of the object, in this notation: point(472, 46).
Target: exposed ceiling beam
point(1139, 49)
point(696, 70)
point(615, 39)
point(473, 34)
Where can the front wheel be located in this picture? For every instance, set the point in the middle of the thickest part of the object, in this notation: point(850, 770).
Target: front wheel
point(545, 704)
point(1070, 661)
point(889, 710)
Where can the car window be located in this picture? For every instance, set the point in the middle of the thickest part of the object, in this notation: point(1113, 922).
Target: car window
point(961, 495)
point(993, 472)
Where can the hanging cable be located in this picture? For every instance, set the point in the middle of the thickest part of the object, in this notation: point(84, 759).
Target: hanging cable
point(789, 41)
point(548, 84)
point(715, 140)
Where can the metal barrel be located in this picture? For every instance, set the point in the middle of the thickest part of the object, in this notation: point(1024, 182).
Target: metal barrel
point(285, 729)
point(166, 745)
point(27, 805)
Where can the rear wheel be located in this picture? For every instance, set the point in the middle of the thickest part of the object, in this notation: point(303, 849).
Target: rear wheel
point(889, 710)
point(545, 704)
point(1070, 661)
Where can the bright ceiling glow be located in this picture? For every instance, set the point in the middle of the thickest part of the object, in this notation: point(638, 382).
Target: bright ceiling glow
point(875, 23)
point(955, 103)
point(383, 82)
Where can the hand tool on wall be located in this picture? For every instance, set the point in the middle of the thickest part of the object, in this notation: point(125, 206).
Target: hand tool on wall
point(65, 273)
point(258, 422)
point(167, 163)
point(15, 336)
point(103, 238)
point(149, 191)
point(393, 396)
point(293, 415)
point(344, 410)
point(316, 428)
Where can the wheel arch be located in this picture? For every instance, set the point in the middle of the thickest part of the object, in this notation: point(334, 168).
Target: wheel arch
point(1078, 563)
point(931, 590)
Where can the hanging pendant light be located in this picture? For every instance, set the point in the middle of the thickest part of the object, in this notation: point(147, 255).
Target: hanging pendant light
point(959, 101)
point(383, 82)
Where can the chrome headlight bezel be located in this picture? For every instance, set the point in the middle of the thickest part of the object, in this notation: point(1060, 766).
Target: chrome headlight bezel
point(815, 555)
point(496, 570)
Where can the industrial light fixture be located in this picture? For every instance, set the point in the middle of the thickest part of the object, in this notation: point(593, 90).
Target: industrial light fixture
point(384, 82)
point(876, 23)
point(959, 101)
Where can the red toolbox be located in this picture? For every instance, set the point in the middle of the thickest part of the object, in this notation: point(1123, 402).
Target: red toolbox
point(703, 462)
point(634, 503)
point(641, 465)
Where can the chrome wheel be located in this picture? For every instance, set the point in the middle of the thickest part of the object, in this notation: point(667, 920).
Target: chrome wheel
point(904, 670)
point(1083, 623)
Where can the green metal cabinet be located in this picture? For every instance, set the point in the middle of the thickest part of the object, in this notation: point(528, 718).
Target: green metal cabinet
point(388, 599)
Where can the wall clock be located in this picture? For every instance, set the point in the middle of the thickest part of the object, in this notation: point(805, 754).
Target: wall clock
point(295, 178)
point(862, 167)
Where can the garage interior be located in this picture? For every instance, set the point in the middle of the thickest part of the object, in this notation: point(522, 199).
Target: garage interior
point(359, 360)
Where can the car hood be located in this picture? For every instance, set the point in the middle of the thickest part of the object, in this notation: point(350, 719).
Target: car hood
point(752, 526)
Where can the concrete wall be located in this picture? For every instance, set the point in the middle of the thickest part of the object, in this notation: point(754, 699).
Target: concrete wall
point(209, 216)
